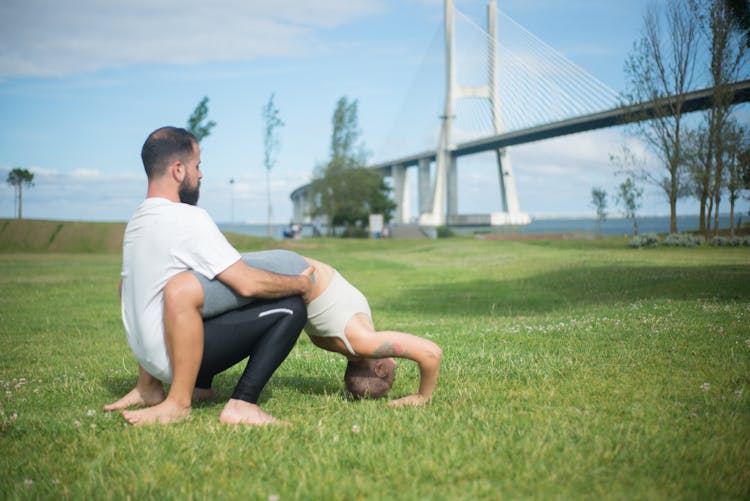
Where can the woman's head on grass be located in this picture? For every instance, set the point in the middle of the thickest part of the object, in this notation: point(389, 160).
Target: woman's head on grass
point(370, 377)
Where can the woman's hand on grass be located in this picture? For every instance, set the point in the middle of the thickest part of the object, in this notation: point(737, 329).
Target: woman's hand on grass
point(413, 400)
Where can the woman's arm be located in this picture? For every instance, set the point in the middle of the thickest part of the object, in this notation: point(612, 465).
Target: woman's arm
point(402, 345)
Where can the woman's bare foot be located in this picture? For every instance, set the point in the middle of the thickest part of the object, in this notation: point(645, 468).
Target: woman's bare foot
point(149, 395)
point(241, 412)
point(164, 413)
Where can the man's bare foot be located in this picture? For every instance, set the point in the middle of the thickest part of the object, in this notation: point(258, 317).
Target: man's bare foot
point(241, 412)
point(150, 395)
point(163, 413)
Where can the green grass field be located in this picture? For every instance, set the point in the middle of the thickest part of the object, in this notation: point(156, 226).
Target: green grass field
point(571, 370)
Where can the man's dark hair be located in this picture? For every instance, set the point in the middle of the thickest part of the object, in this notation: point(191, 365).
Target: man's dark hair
point(369, 377)
point(164, 146)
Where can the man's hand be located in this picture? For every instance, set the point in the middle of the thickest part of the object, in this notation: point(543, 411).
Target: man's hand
point(308, 273)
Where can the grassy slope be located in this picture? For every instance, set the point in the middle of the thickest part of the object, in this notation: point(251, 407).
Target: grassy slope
point(59, 236)
point(571, 369)
point(29, 235)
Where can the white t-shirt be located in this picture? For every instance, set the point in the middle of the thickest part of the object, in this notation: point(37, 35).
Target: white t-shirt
point(163, 239)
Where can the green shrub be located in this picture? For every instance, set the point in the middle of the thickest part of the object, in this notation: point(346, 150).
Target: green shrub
point(682, 240)
point(645, 240)
point(355, 232)
point(720, 241)
point(444, 232)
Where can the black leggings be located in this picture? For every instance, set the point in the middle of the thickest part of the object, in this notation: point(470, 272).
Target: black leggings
point(264, 330)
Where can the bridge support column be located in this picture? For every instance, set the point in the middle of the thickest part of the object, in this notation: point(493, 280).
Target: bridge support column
point(444, 162)
point(511, 214)
point(435, 214)
point(507, 182)
point(452, 189)
point(424, 186)
point(401, 194)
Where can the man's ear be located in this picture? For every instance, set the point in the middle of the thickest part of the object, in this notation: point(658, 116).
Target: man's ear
point(177, 170)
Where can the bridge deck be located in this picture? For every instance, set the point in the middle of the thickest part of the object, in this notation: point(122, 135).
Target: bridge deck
point(694, 101)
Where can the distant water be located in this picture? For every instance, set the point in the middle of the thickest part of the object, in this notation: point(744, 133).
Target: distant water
point(254, 230)
point(611, 226)
point(620, 226)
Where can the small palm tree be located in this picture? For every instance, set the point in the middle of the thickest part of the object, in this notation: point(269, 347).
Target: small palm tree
point(17, 178)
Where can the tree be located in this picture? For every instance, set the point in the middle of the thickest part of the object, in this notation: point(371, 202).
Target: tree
point(629, 198)
point(696, 157)
point(599, 202)
point(352, 194)
point(195, 123)
point(346, 151)
point(708, 185)
point(740, 11)
point(660, 70)
point(727, 60)
point(17, 178)
point(270, 147)
point(344, 190)
point(743, 160)
point(738, 149)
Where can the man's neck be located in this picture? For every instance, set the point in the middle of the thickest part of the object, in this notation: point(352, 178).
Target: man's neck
point(157, 190)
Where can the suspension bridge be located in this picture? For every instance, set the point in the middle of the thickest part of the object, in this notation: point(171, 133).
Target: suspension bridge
point(506, 88)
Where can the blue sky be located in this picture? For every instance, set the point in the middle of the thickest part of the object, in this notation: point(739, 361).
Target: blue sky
point(82, 86)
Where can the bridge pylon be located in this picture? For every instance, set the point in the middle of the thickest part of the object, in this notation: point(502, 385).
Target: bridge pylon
point(444, 207)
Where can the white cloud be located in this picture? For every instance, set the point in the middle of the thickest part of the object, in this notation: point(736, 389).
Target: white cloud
point(51, 38)
point(43, 171)
point(590, 150)
point(86, 174)
point(428, 3)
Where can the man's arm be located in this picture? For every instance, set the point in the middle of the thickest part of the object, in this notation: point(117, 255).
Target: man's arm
point(401, 345)
point(254, 282)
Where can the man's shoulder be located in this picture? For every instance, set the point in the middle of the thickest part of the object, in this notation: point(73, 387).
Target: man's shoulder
point(191, 210)
point(164, 215)
point(156, 206)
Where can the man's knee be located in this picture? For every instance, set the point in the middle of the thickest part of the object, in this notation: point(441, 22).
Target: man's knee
point(297, 305)
point(295, 315)
point(182, 292)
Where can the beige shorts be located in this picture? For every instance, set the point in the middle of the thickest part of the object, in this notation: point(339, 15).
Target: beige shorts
point(328, 314)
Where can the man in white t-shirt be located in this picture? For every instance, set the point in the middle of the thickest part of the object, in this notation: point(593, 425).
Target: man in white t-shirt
point(167, 235)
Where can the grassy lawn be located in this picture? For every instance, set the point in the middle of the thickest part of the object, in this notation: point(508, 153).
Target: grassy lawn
point(571, 369)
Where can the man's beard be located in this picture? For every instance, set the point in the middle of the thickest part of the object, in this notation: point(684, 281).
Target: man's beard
point(187, 194)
